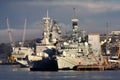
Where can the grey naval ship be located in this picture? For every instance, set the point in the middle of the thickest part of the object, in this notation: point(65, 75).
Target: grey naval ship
point(46, 48)
point(79, 49)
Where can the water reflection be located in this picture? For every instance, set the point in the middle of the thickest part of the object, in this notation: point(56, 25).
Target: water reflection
point(17, 73)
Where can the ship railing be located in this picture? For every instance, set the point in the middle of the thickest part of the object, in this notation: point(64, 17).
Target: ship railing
point(38, 44)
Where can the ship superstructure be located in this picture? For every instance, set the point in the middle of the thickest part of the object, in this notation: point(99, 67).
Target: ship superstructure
point(51, 35)
point(46, 48)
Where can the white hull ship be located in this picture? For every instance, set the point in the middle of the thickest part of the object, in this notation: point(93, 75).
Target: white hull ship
point(19, 53)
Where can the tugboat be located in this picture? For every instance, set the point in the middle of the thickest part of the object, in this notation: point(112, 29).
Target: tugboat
point(77, 50)
point(46, 49)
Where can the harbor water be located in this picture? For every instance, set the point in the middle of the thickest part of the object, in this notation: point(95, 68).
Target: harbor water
point(12, 72)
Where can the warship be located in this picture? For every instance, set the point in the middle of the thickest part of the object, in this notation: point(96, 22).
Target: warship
point(46, 49)
point(77, 50)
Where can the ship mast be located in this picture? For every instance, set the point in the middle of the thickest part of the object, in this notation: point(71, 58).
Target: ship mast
point(75, 25)
point(74, 22)
point(107, 37)
point(46, 32)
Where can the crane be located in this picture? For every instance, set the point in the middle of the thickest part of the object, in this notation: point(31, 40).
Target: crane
point(24, 32)
point(19, 52)
point(12, 59)
point(11, 36)
point(10, 33)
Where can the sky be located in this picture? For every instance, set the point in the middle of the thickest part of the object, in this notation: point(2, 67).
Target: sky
point(92, 14)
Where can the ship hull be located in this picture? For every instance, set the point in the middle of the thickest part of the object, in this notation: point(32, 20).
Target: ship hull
point(44, 65)
point(71, 63)
point(23, 63)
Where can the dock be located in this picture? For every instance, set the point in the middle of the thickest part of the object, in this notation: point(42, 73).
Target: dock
point(90, 68)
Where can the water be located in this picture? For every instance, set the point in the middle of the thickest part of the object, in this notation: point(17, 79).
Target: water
point(16, 73)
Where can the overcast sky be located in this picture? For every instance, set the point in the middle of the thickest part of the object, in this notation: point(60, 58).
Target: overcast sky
point(92, 15)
